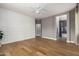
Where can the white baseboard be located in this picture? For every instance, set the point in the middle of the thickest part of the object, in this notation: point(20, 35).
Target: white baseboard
point(71, 42)
point(50, 38)
point(18, 40)
point(77, 44)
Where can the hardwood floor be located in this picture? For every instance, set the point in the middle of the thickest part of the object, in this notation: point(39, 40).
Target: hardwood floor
point(40, 47)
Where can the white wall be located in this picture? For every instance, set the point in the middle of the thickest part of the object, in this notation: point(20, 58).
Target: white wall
point(49, 28)
point(72, 25)
point(77, 26)
point(16, 26)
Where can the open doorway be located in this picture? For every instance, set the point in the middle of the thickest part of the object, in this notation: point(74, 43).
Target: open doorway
point(61, 22)
point(38, 28)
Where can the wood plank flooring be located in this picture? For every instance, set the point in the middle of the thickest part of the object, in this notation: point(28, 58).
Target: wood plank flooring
point(40, 47)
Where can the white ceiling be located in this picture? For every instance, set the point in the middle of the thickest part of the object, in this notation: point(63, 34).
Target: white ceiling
point(48, 9)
